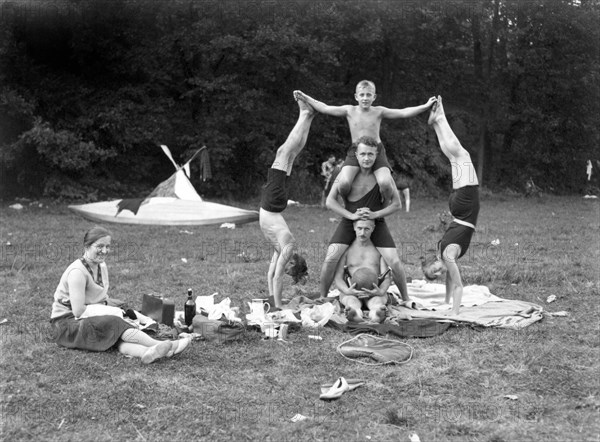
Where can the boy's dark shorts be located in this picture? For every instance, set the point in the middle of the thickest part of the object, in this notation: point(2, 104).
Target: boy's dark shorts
point(381, 236)
point(380, 161)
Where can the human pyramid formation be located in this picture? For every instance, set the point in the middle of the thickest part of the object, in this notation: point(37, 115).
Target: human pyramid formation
point(362, 247)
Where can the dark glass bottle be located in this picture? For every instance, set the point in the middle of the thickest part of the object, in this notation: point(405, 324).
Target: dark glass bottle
point(189, 309)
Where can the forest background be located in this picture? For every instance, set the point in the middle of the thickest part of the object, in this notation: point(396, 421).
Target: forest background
point(90, 88)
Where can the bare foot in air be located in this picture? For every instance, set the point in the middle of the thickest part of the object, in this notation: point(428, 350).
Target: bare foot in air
point(353, 316)
point(437, 111)
point(302, 103)
point(299, 95)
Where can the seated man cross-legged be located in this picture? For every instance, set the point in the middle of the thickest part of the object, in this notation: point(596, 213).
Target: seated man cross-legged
point(364, 263)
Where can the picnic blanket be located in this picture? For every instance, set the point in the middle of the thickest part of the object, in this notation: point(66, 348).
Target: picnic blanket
point(328, 311)
point(478, 306)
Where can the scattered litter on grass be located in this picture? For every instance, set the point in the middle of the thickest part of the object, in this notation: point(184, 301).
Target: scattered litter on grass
point(16, 206)
point(559, 314)
point(590, 196)
point(512, 397)
point(8, 243)
point(227, 226)
point(414, 437)
point(332, 220)
point(298, 418)
point(496, 242)
point(4, 321)
point(293, 203)
point(184, 260)
point(315, 337)
point(551, 298)
point(187, 232)
point(311, 231)
point(61, 424)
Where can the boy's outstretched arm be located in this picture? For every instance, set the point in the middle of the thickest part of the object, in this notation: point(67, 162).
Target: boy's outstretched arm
point(336, 111)
point(407, 112)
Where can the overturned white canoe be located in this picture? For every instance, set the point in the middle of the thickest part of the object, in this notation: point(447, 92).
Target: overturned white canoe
point(167, 211)
point(174, 202)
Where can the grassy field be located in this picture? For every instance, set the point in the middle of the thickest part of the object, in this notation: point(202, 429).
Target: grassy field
point(454, 388)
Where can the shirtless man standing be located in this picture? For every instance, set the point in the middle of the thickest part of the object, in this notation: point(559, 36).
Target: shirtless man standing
point(274, 201)
point(363, 202)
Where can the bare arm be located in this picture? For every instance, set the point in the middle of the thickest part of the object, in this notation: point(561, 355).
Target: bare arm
point(279, 272)
point(407, 112)
point(332, 203)
point(390, 206)
point(339, 280)
point(335, 111)
point(385, 284)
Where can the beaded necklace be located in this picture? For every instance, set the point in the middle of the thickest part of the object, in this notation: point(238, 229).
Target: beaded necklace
point(87, 266)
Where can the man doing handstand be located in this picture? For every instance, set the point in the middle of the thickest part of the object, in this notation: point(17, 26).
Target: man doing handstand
point(274, 201)
point(464, 206)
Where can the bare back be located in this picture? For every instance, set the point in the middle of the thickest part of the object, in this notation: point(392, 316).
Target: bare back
point(364, 122)
point(275, 229)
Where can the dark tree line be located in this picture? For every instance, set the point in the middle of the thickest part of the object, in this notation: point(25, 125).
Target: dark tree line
point(91, 87)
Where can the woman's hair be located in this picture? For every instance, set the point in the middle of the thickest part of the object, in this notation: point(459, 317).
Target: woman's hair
point(94, 234)
point(299, 270)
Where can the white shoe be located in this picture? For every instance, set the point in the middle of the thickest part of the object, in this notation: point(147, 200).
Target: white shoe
point(339, 387)
point(156, 352)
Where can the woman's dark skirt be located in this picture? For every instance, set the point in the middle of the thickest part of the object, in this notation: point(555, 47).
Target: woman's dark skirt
point(98, 333)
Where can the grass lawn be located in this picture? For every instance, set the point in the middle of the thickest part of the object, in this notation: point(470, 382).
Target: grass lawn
point(453, 389)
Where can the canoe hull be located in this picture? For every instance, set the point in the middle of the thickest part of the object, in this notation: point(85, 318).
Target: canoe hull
point(167, 212)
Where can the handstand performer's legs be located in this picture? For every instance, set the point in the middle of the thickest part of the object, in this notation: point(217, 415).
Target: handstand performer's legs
point(296, 140)
point(446, 137)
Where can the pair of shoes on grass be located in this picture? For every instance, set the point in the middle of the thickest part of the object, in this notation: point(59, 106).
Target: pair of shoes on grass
point(165, 349)
point(339, 387)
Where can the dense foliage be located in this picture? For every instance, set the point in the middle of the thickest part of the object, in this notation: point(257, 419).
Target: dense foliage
point(90, 88)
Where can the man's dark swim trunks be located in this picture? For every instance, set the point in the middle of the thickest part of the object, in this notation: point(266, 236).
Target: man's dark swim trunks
point(464, 206)
point(274, 194)
point(380, 161)
point(381, 236)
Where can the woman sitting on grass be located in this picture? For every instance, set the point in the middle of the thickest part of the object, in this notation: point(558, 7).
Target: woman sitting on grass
point(85, 283)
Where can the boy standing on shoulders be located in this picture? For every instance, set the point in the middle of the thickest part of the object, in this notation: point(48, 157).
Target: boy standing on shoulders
point(365, 120)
